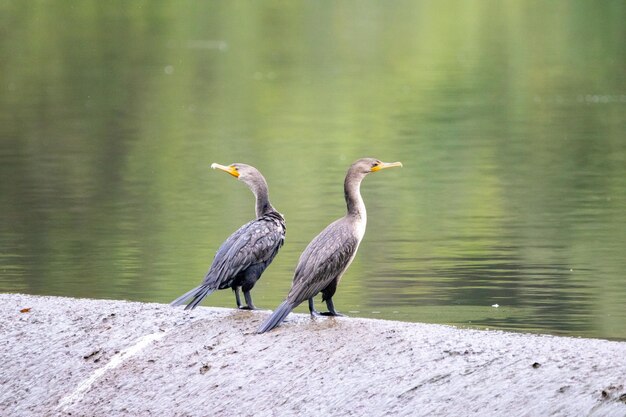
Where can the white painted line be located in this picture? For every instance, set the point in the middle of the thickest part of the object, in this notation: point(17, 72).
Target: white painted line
point(115, 361)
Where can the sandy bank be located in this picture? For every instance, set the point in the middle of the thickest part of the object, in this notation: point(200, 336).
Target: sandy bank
point(113, 358)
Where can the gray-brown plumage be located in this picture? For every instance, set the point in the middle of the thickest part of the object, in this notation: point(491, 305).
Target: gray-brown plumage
point(330, 253)
point(243, 257)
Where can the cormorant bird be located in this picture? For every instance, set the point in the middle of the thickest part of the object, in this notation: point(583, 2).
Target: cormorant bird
point(327, 257)
point(243, 257)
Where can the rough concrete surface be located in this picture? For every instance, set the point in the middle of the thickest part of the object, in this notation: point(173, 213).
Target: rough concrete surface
point(114, 358)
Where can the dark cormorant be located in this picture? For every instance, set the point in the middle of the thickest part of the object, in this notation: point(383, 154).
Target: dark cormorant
point(243, 257)
point(327, 257)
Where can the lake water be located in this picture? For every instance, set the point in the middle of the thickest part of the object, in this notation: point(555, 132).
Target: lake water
point(509, 117)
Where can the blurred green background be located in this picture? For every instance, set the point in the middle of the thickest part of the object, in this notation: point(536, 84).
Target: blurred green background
point(509, 117)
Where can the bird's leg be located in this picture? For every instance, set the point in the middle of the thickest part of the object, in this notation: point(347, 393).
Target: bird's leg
point(331, 309)
point(236, 291)
point(314, 312)
point(250, 304)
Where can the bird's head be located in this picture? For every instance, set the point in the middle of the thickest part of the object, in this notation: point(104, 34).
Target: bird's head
point(366, 165)
point(242, 172)
point(237, 170)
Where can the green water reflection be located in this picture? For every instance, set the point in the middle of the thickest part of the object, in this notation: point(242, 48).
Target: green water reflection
point(509, 118)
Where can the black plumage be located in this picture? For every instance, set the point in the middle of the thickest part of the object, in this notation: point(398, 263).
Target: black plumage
point(330, 253)
point(242, 258)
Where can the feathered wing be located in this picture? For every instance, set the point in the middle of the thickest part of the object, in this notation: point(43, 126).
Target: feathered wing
point(255, 242)
point(326, 258)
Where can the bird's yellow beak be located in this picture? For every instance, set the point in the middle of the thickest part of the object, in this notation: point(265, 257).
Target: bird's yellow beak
point(230, 169)
point(384, 165)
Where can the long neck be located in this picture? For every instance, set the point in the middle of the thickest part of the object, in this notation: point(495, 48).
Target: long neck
point(354, 201)
point(261, 193)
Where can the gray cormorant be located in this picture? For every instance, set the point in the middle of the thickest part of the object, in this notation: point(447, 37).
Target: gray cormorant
point(243, 257)
point(327, 257)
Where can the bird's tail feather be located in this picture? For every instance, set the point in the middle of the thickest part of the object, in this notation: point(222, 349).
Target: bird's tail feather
point(198, 294)
point(277, 317)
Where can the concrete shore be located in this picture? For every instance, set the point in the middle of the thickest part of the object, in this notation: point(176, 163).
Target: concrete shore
point(62, 356)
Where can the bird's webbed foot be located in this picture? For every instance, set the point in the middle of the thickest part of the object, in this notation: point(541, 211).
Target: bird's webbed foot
point(331, 309)
point(249, 304)
point(332, 314)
